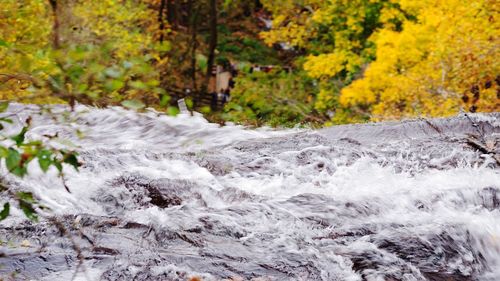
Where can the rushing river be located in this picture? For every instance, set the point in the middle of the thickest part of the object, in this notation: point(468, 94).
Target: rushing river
point(171, 198)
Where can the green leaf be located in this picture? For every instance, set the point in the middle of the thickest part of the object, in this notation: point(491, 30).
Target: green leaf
point(165, 99)
point(160, 91)
point(13, 159)
point(114, 85)
point(72, 160)
point(153, 83)
point(58, 166)
point(172, 110)
point(26, 196)
point(28, 210)
point(75, 72)
point(82, 88)
point(4, 152)
point(164, 47)
point(133, 104)
point(6, 120)
point(19, 139)
point(189, 103)
point(3, 106)
point(138, 85)
point(205, 109)
point(19, 171)
point(5, 211)
point(44, 159)
point(3, 43)
point(33, 143)
point(202, 62)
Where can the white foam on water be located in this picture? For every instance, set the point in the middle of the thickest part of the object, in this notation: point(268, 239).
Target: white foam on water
point(367, 192)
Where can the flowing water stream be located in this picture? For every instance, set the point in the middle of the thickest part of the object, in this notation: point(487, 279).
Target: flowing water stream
point(171, 198)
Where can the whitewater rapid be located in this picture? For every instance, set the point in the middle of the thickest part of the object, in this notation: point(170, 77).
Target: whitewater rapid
point(170, 198)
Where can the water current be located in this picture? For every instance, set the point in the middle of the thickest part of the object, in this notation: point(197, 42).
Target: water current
point(173, 198)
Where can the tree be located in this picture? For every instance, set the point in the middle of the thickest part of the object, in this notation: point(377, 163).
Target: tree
point(444, 61)
point(390, 59)
point(94, 52)
point(213, 41)
point(334, 39)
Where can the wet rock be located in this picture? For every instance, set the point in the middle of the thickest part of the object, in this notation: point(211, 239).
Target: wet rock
point(105, 251)
point(162, 200)
point(490, 198)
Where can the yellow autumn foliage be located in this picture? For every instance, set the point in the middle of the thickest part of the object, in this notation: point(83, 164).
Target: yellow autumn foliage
point(22, 24)
point(391, 59)
point(125, 23)
point(446, 60)
point(336, 29)
point(325, 64)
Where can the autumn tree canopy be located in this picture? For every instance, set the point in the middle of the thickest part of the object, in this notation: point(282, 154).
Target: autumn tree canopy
point(390, 59)
point(334, 61)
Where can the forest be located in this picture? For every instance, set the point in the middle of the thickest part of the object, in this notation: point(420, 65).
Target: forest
point(318, 63)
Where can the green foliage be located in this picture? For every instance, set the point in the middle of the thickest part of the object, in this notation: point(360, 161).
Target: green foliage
point(202, 62)
point(278, 98)
point(17, 157)
point(247, 49)
point(5, 211)
point(26, 203)
point(102, 55)
point(172, 110)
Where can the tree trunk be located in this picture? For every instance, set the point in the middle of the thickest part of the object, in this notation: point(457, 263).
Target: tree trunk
point(178, 13)
point(161, 19)
point(193, 12)
point(212, 43)
point(171, 12)
point(55, 26)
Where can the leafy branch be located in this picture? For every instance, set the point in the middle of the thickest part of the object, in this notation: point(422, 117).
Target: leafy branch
point(17, 157)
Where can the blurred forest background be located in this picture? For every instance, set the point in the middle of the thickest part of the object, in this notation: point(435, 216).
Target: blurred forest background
point(311, 62)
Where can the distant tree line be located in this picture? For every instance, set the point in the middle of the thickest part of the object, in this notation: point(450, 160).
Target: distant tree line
point(332, 61)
